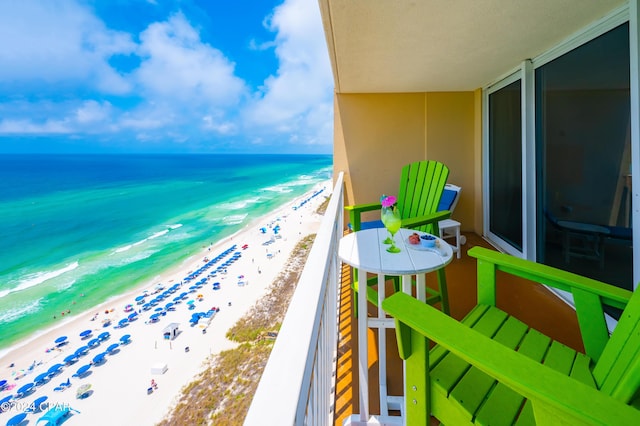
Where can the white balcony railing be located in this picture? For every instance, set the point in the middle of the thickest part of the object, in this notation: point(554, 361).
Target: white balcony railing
point(297, 386)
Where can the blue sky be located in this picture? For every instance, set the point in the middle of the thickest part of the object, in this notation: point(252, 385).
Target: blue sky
point(166, 76)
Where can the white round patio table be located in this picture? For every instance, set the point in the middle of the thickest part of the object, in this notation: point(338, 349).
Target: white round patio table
point(365, 251)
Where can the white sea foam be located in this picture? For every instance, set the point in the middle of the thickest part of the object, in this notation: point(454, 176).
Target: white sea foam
point(125, 248)
point(15, 313)
point(37, 278)
point(139, 256)
point(158, 234)
point(152, 237)
point(282, 188)
point(236, 205)
point(65, 285)
point(234, 219)
point(240, 204)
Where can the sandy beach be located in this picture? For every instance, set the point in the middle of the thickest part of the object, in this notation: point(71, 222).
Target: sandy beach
point(119, 386)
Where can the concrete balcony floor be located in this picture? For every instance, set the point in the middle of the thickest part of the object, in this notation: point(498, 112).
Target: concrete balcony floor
point(531, 303)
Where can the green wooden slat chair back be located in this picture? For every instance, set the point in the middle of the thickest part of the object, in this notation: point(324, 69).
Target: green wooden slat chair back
point(419, 191)
point(491, 368)
point(421, 186)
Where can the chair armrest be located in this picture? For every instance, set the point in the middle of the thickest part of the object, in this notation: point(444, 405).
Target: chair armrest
point(550, 276)
point(356, 210)
point(589, 295)
point(414, 222)
point(549, 391)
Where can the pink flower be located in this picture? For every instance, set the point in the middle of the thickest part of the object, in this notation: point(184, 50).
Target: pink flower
point(388, 201)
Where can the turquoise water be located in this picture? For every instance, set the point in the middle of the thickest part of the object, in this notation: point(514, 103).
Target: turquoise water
point(76, 230)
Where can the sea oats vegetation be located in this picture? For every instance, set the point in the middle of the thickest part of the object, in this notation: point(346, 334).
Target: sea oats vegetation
point(222, 393)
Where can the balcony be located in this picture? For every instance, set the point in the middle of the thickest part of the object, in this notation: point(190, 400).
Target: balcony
point(310, 377)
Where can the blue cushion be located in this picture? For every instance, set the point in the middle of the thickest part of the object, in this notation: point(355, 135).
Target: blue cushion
point(448, 197)
point(371, 225)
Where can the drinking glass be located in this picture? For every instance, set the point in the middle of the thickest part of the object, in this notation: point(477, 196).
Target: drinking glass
point(392, 222)
point(383, 217)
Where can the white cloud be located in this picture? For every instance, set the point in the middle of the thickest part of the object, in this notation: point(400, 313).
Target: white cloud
point(218, 125)
point(292, 100)
point(55, 66)
point(93, 112)
point(28, 127)
point(59, 41)
point(178, 65)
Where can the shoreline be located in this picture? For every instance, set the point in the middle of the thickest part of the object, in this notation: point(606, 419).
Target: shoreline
point(259, 263)
point(172, 270)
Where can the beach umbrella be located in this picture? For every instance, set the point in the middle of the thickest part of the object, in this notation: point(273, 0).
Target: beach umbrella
point(3, 383)
point(98, 358)
point(41, 378)
point(123, 322)
point(70, 359)
point(61, 340)
point(112, 347)
point(3, 403)
point(191, 302)
point(139, 298)
point(54, 368)
point(38, 402)
point(126, 338)
point(159, 309)
point(93, 343)
point(82, 370)
point(132, 316)
point(85, 333)
point(104, 336)
point(154, 317)
point(24, 389)
point(16, 420)
point(82, 350)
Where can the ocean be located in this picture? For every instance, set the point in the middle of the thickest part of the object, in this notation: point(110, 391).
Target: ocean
point(77, 230)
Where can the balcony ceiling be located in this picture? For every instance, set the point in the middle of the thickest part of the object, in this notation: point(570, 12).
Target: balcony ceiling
point(379, 46)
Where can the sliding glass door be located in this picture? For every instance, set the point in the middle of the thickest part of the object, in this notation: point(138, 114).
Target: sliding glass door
point(578, 214)
point(583, 148)
point(505, 165)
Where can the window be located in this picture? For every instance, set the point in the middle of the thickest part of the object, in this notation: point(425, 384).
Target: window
point(505, 164)
point(583, 157)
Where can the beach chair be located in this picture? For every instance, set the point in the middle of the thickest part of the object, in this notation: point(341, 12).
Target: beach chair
point(421, 187)
point(491, 368)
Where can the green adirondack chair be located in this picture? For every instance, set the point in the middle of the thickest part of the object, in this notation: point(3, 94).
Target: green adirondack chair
point(491, 368)
point(421, 186)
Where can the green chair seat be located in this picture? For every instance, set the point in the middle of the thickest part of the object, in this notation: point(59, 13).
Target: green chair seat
point(491, 368)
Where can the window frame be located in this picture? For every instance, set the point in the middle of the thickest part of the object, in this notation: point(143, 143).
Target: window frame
point(525, 71)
